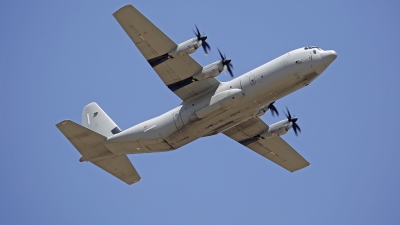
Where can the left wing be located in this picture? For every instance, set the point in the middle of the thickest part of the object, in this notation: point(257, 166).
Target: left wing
point(176, 72)
point(274, 149)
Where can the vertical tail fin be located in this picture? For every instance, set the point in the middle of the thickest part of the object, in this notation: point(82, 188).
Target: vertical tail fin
point(94, 118)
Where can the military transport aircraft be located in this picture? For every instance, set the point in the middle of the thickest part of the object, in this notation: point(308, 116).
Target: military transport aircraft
point(208, 106)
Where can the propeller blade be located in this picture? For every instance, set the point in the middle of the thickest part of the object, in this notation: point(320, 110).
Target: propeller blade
point(222, 57)
point(288, 115)
point(226, 63)
point(202, 38)
point(229, 70)
point(293, 120)
point(198, 32)
point(296, 128)
point(273, 109)
point(205, 46)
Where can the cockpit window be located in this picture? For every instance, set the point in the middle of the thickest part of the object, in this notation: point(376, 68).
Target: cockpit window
point(315, 52)
point(311, 47)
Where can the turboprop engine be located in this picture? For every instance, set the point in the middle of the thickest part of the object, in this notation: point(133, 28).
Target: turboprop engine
point(282, 127)
point(265, 108)
point(277, 129)
point(187, 47)
point(191, 45)
point(214, 69)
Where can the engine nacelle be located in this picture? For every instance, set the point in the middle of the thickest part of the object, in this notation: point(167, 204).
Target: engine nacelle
point(187, 47)
point(212, 70)
point(277, 129)
point(261, 111)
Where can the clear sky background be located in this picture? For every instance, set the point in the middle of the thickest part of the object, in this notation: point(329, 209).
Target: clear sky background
point(58, 56)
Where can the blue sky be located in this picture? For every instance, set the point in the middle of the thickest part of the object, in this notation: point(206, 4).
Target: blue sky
point(58, 56)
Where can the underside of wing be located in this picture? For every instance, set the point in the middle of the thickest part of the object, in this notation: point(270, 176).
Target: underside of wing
point(150, 40)
point(175, 71)
point(274, 149)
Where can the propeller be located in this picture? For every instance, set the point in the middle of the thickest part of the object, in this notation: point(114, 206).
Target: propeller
point(273, 109)
point(296, 127)
point(202, 38)
point(227, 62)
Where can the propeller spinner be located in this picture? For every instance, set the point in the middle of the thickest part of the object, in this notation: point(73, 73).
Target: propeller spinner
point(226, 63)
point(202, 38)
point(296, 127)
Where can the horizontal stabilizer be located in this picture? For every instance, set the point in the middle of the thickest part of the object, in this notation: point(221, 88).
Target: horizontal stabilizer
point(120, 167)
point(91, 146)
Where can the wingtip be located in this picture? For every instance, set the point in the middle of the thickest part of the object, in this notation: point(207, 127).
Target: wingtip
point(63, 122)
point(123, 7)
point(300, 168)
point(133, 182)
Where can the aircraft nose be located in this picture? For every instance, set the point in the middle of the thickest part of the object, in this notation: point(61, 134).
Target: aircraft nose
point(328, 57)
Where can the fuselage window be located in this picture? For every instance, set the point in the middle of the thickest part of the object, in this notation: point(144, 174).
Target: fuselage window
point(315, 52)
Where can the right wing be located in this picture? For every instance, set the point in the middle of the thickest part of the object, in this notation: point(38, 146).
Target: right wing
point(274, 149)
point(154, 45)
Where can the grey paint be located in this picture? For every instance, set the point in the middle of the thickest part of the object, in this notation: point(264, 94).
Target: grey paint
point(271, 81)
point(209, 107)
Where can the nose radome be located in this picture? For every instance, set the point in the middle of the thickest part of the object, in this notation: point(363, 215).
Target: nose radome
point(328, 57)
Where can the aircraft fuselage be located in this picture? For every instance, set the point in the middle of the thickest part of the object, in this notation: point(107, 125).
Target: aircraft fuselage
point(225, 105)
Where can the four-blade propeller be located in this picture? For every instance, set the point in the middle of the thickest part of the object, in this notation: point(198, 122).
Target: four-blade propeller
point(296, 127)
point(202, 38)
point(226, 63)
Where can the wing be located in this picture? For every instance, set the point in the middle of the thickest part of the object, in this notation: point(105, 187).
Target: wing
point(274, 149)
point(154, 45)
